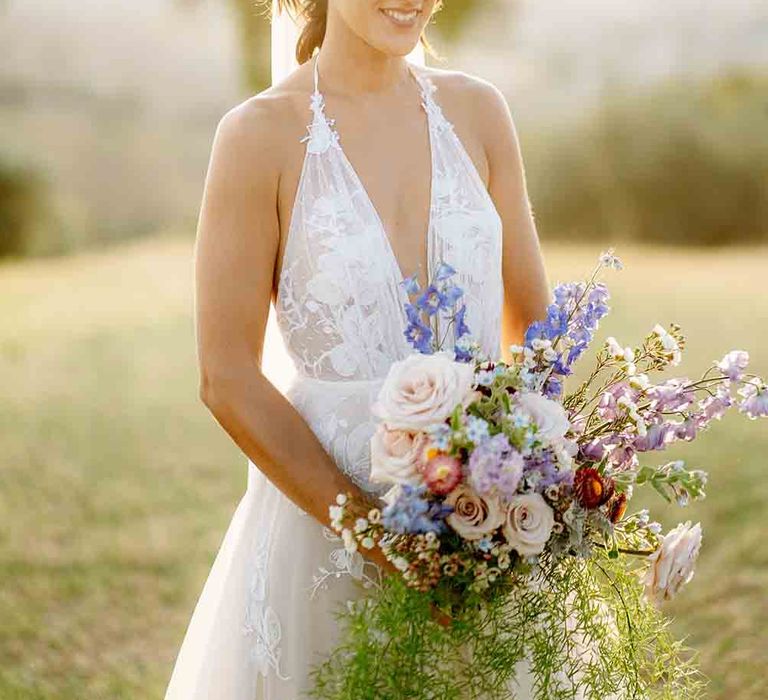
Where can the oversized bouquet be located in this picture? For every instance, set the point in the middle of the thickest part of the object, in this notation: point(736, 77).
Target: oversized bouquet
point(507, 515)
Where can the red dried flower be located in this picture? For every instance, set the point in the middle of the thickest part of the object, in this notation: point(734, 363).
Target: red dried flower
point(617, 507)
point(592, 489)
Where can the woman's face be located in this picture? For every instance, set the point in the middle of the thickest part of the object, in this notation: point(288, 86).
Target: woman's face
point(393, 27)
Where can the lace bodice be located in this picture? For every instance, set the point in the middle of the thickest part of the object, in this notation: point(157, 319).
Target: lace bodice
point(340, 304)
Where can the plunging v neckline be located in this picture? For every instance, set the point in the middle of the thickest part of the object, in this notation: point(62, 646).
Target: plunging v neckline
point(382, 229)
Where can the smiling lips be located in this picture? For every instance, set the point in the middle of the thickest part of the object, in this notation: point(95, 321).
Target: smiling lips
point(402, 18)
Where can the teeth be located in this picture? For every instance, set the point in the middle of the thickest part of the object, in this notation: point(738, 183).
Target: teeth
point(400, 16)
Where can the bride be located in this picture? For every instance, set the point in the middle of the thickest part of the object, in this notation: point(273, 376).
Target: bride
point(324, 192)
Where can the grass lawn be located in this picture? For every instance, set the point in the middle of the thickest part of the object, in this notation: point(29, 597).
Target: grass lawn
point(116, 486)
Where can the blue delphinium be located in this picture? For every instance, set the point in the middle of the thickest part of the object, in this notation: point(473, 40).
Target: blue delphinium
point(428, 306)
point(572, 318)
point(412, 513)
point(417, 333)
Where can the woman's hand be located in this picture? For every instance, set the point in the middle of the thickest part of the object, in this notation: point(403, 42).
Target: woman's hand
point(443, 619)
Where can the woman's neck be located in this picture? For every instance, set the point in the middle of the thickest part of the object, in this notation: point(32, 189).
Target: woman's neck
point(350, 65)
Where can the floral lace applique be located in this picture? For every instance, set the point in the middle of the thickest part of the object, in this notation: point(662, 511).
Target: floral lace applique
point(262, 624)
point(344, 563)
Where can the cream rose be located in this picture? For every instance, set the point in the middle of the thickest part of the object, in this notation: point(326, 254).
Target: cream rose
point(549, 416)
point(422, 390)
point(528, 524)
point(672, 564)
point(395, 456)
point(473, 516)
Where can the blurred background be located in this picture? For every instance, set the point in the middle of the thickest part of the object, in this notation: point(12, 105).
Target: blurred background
point(644, 125)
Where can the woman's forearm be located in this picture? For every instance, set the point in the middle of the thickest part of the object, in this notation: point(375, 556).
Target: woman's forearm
point(269, 430)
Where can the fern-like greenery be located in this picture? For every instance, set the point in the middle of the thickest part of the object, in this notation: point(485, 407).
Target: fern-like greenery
point(575, 629)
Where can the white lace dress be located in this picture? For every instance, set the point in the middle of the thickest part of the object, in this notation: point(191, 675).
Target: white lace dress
point(266, 614)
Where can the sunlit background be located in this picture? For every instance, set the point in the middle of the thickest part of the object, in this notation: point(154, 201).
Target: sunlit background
point(644, 124)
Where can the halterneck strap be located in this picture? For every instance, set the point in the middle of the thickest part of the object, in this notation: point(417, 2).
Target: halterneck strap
point(316, 74)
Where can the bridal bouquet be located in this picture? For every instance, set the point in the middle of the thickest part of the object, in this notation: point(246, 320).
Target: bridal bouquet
point(508, 515)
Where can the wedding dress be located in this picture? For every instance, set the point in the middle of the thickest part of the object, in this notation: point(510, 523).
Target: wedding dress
point(266, 614)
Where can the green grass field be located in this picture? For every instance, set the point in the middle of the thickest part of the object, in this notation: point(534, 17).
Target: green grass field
point(116, 486)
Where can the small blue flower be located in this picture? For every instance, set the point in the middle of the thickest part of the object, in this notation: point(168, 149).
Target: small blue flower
point(485, 377)
point(440, 433)
point(477, 428)
point(485, 544)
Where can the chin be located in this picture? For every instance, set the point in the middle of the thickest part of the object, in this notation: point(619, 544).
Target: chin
point(396, 49)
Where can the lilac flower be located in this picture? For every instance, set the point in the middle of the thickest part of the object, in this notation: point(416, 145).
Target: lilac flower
point(485, 461)
point(410, 512)
point(755, 399)
point(734, 364)
point(495, 468)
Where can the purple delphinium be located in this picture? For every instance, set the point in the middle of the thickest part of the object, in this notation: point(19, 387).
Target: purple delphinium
point(411, 512)
point(573, 316)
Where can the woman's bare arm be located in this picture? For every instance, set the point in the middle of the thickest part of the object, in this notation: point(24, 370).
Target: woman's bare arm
point(237, 247)
point(526, 289)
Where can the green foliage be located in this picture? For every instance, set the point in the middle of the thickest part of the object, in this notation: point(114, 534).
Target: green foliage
point(684, 163)
point(24, 203)
point(583, 629)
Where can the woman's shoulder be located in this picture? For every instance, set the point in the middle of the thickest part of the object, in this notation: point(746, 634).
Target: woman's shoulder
point(465, 91)
point(477, 108)
point(266, 123)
